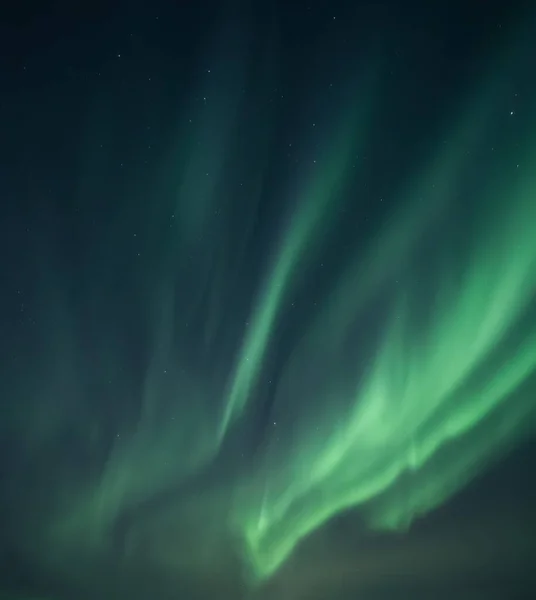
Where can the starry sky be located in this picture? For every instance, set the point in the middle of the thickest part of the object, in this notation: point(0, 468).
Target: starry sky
point(268, 310)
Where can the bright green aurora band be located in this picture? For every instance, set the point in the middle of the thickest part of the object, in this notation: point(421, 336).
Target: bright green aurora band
point(412, 374)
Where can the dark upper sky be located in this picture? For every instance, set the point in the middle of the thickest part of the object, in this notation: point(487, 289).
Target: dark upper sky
point(267, 322)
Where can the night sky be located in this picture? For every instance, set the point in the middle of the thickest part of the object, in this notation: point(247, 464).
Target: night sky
point(268, 300)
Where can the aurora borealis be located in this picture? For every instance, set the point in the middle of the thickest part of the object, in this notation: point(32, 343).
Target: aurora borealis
point(257, 288)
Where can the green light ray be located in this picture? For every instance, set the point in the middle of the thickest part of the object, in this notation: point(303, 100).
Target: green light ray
point(316, 210)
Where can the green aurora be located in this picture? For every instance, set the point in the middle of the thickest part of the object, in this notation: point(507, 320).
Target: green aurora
point(411, 367)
